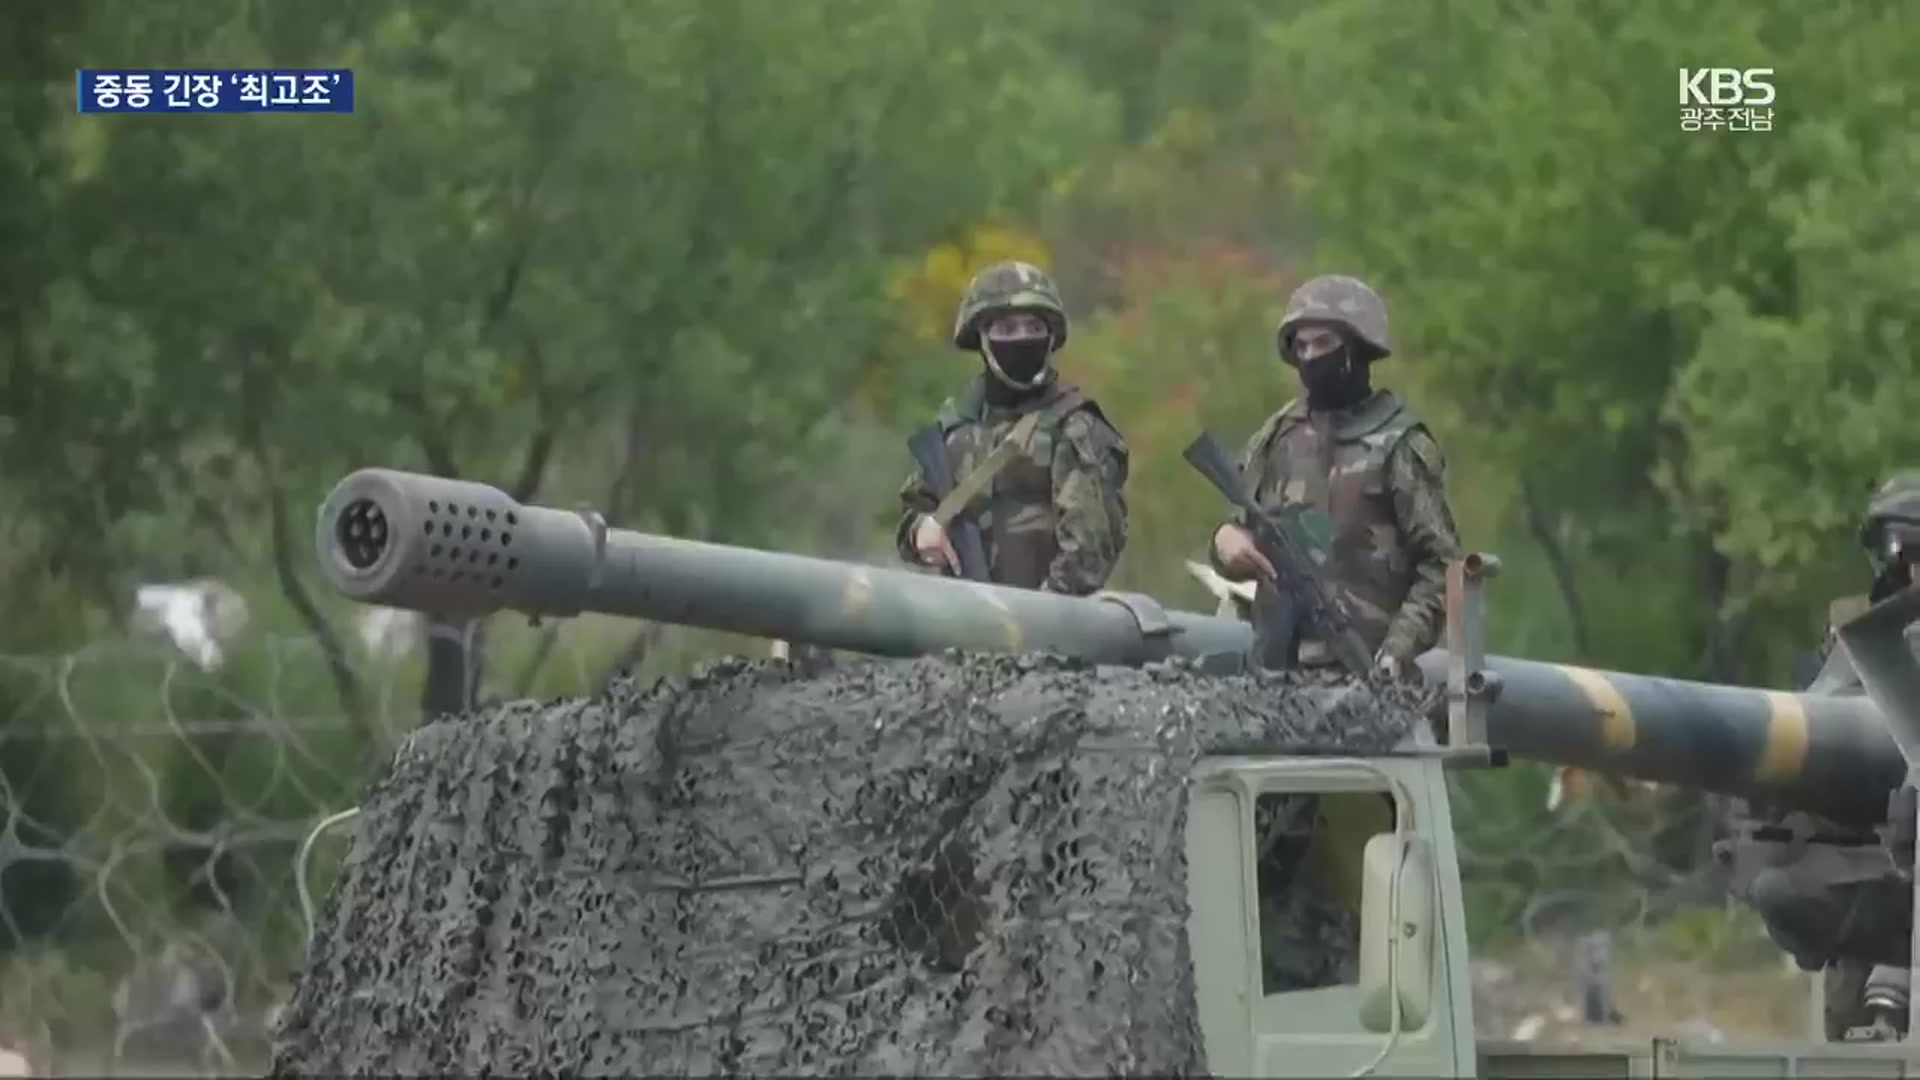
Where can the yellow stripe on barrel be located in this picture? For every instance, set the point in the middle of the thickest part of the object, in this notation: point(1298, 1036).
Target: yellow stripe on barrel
point(1785, 753)
point(1616, 719)
point(858, 595)
point(1010, 623)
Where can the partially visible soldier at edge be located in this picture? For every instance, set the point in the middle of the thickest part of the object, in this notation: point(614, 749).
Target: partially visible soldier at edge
point(1890, 536)
point(1868, 1003)
point(1360, 454)
point(1055, 518)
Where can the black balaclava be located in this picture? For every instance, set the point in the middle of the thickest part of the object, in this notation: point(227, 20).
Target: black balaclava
point(1016, 367)
point(1339, 379)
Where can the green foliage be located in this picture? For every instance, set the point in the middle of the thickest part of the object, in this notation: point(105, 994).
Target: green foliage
point(1176, 359)
point(1730, 938)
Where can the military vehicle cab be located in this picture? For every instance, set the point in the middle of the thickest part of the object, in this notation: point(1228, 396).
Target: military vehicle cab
point(1379, 845)
point(1383, 847)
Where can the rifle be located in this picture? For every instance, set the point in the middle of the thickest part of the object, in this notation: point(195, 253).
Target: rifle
point(929, 449)
point(1281, 614)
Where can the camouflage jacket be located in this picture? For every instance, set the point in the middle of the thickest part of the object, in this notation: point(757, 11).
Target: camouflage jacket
point(1380, 477)
point(1308, 941)
point(1056, 517)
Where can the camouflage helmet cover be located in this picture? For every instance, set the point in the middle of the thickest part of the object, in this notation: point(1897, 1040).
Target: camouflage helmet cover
point(1344, 301)
point(1897, 500)
point(1004, 287)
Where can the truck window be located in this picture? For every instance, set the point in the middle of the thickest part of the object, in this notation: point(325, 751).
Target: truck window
point(1308, 849)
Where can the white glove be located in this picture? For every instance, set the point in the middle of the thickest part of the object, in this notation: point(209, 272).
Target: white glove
point(1387, 667)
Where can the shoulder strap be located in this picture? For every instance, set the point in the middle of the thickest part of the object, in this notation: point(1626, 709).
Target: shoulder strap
point(1394, 436)
point(1385, 411)
point(1289, 416)
point(1073, 400)
point(1263, 437)
point(1069, 401)
point(972, 484)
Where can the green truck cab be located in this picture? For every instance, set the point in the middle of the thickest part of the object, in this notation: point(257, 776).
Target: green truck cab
point(1384, 843)
point(1381, 846)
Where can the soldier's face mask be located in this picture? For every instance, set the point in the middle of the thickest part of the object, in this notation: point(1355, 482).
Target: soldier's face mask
point(1016, 348)
point(1331, 374)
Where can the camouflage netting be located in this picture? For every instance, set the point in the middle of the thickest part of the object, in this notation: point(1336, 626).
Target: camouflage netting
point(958, 865)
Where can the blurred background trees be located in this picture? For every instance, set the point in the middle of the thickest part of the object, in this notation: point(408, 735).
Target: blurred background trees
point(694, 262)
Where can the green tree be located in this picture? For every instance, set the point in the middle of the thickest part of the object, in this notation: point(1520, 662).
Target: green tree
point(669, 220)
point(1575, 272)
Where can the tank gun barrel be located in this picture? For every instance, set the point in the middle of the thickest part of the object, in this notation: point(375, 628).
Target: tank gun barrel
point(1830, 755)
point(457, 549)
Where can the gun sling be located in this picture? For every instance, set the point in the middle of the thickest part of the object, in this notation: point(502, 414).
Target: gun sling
point(971, 485)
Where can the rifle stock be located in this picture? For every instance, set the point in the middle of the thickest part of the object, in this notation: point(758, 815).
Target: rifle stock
point(929, 449)
point(1301, 599)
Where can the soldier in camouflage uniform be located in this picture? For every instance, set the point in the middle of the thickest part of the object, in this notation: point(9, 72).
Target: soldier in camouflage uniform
point(1890, 535)
point(1361, 455)
point(1869, 1002)
point(1055, 518)
point(1308, 938)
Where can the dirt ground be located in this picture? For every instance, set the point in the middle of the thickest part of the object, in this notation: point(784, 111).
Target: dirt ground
point(1534, 993)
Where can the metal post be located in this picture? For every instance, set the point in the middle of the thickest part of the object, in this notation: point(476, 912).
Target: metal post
point(1913, 940)
point(1471, 686)
point(1816, 1003)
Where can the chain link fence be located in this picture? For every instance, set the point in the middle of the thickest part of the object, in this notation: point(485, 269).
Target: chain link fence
point(152, 912)
point(169, 832)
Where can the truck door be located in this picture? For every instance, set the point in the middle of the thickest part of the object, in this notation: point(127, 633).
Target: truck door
point(1306, 831)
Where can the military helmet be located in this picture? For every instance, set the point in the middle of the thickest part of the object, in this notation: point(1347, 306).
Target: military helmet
point(1009, 286)
point(1897, 502)
point(1342, 300)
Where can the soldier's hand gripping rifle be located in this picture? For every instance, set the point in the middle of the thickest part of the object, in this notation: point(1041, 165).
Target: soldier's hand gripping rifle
point(1282, 611)
point(929, 449)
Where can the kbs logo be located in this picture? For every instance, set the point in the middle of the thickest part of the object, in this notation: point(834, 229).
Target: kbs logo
point(1729, 99)
point(1726, 86)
